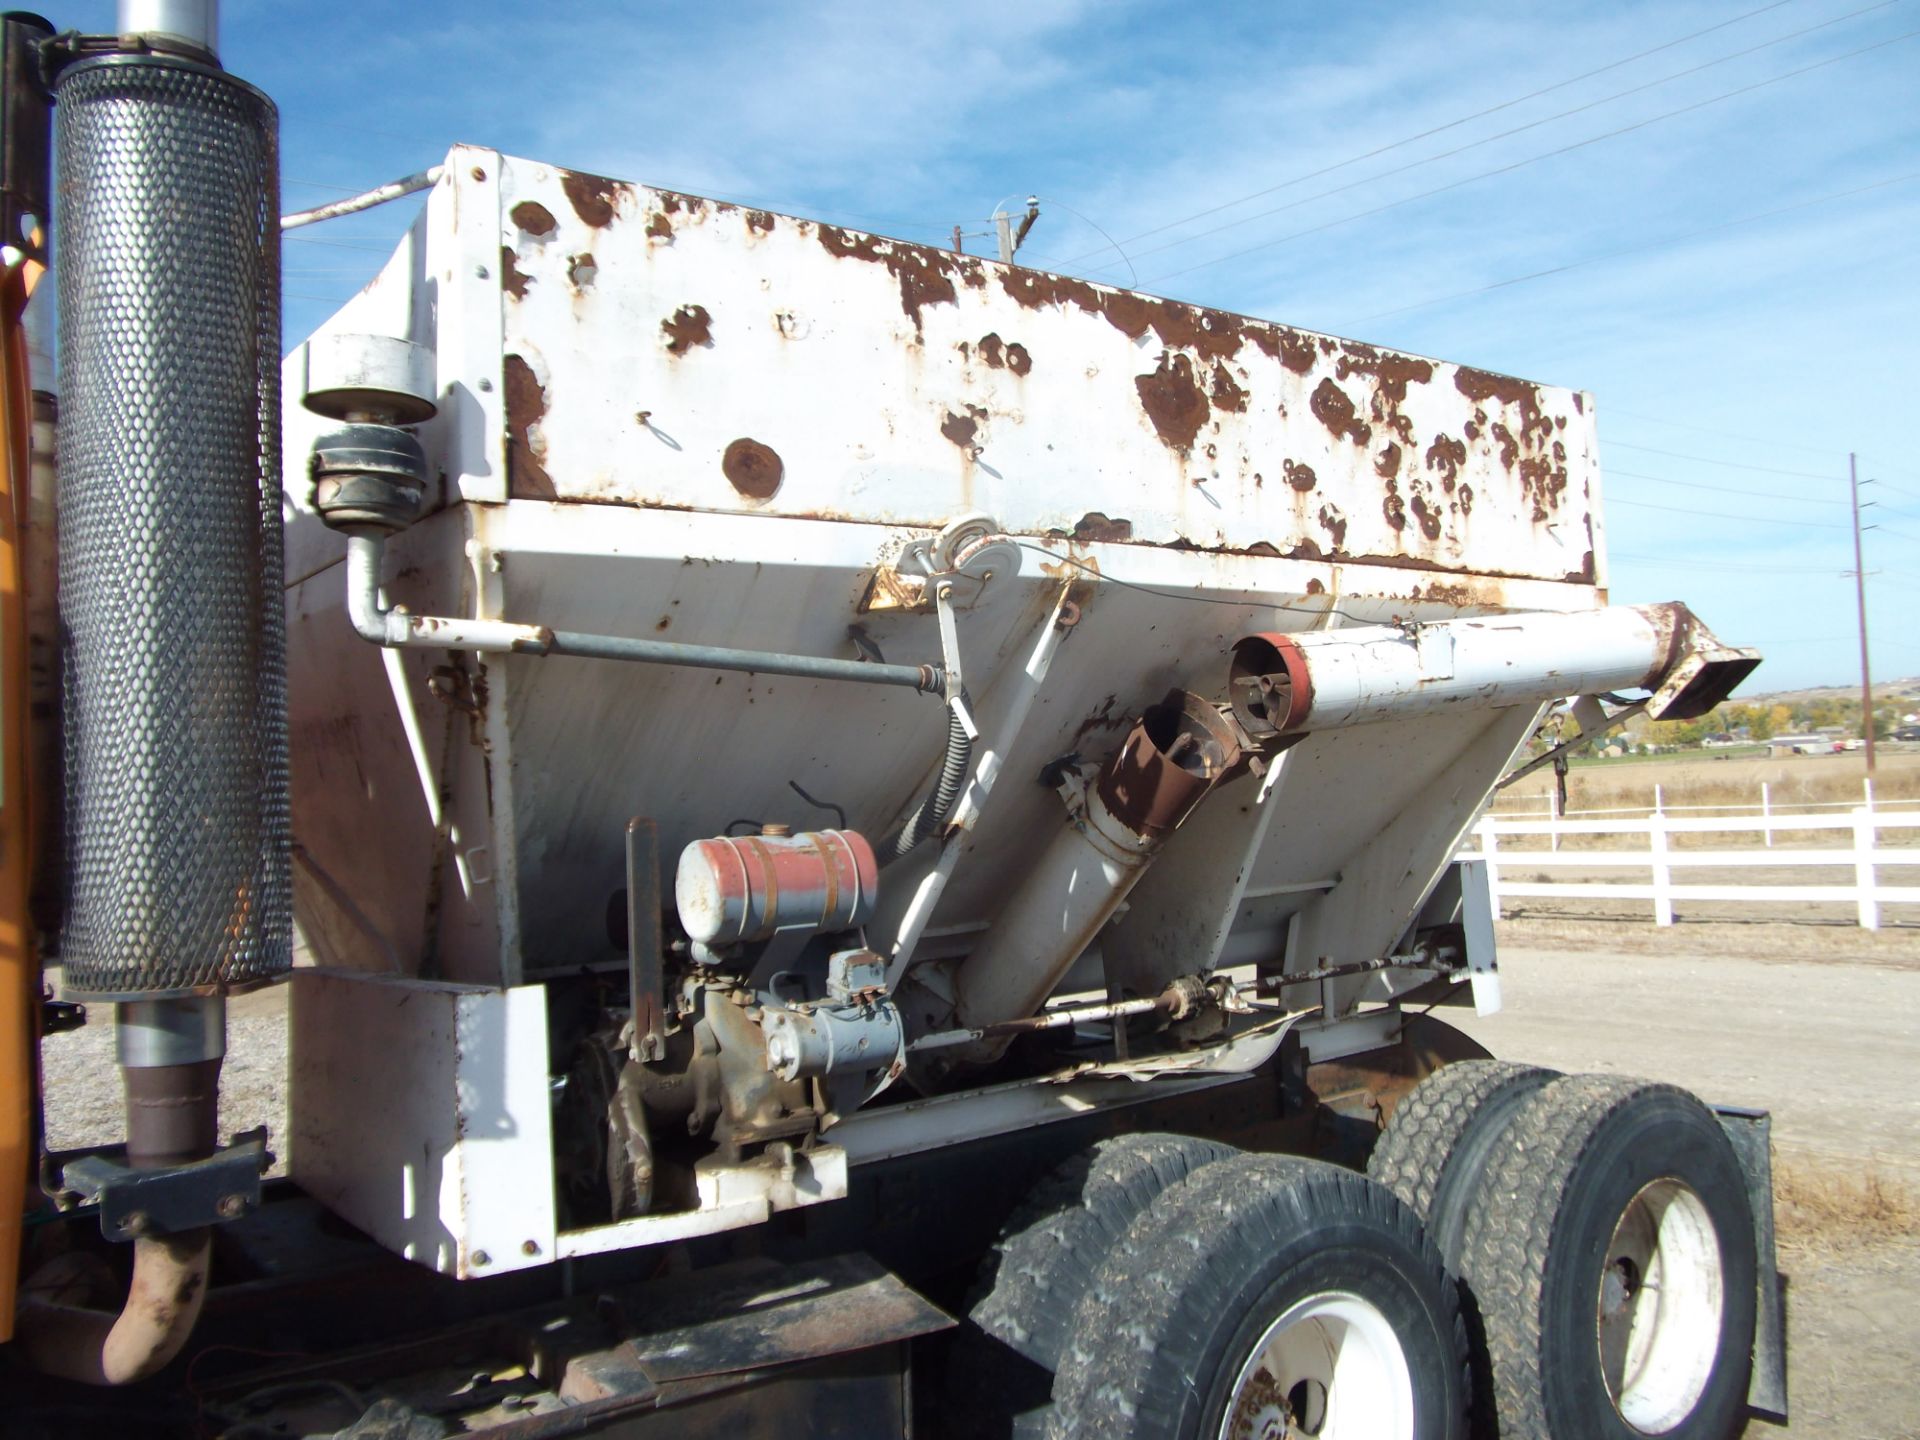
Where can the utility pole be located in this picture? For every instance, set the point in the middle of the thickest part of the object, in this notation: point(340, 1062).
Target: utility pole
point(1011, 239)
point(1860, 593)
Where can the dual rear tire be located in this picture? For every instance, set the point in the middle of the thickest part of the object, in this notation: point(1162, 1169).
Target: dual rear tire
point(1187, 1292)
point(1603, 1237)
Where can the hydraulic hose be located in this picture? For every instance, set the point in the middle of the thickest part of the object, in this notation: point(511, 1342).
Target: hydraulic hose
point(934, 808)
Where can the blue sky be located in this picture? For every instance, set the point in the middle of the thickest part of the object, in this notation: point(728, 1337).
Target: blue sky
point(1736, 360)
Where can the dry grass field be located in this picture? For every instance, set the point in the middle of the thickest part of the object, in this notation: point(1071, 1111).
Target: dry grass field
point(1705, 782)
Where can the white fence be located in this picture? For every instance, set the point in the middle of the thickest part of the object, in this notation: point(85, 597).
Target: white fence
point(1858, 850)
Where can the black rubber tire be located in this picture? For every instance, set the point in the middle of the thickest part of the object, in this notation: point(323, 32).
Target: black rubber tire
point(1536, 1242)
point(1173, 1315)
point(1437, 1145)
point(1000, 1371)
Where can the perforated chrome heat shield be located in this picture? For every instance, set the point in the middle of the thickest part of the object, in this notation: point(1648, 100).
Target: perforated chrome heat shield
point(170, 552)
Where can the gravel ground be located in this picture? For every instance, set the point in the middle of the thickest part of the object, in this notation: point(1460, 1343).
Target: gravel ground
point(84, 1106)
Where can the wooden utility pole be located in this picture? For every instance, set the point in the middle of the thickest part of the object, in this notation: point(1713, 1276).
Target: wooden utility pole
point(1860, 593)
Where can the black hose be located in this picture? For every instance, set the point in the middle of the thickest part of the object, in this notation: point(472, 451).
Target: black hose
point(932, 811)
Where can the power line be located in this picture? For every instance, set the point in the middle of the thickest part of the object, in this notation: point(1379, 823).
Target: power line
point(1507, 134)
point(1637, 249)
point(1535, 159)
point(1723, 434)
point(1722, 489)
point(1722, 514)
point(1727, 464)
point(1730, 566)
point(1427, 134)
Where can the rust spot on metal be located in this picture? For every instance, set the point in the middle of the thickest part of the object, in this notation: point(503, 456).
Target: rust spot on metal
point(660, 227)
point(1210, 334)
point(755, 470)
point(1130, 314)
point(663, 622)
point(1465, 497)
point(1095, 528)
point(1451, 594)
point(1586, 573)
point(1447, 455)
point(1001, 356)
point(1387, 463)
point(687, 327)
point(1101, 719)
point(582, 270)
point(1393, 507)
point(759, 220)
point(925, 275)
point(963, 430)
point(1314, 587)
point(1173, 402)
point(1333, 409)
point(1299, 476)
point(1266, 549)
point(534, 218)
point(1328, 344)
point(1296, 351)
point(1036, 289)
point(527, 478)
point(1427, 517)
point(1305, 549)
point(595, 199)
point(1335, 524)
point(1524, 446)
point(1226, 394)
point(513, 279)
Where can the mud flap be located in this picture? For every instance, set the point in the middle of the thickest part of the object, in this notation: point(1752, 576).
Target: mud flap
point(1751, 1132)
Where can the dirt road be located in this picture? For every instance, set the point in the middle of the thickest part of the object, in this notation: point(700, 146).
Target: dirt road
point(1830, 1047)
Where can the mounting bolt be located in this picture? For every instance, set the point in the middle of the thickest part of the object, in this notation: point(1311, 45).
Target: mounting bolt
point(135, 1222)
point(232, 1207)
point(481, 1259)
point(528, 1247)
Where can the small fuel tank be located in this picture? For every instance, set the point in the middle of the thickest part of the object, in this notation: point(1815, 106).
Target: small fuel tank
point(735, 889)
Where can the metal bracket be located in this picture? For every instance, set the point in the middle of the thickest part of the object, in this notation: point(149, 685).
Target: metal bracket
point(644, 979)
point(1589, 730)
point(136, 1203)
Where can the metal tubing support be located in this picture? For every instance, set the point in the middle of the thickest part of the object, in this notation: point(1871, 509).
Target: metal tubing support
point(394, 628)
point(1000, 733)
point(366, 200)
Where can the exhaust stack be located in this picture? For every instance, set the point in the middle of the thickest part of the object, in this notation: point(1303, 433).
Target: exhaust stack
point(177, 888)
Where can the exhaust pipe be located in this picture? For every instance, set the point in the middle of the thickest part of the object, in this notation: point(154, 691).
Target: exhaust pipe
point(1170, 761)
point(177, 879)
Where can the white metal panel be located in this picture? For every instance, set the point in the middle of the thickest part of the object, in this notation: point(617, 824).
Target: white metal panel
point(648, 332)
point(420, 1113)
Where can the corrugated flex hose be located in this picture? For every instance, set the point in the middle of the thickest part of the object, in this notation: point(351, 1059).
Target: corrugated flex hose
point(933, 810)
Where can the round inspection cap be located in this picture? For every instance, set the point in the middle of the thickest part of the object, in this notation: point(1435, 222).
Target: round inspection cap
point(377, 377)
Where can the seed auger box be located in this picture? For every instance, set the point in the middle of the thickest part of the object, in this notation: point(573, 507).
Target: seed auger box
point(858, 836)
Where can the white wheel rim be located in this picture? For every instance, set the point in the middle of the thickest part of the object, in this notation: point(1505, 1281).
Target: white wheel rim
point(1332, 1367)
point(1658, 1315)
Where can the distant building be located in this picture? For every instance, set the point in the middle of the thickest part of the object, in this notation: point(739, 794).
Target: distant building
point(1800, 745)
